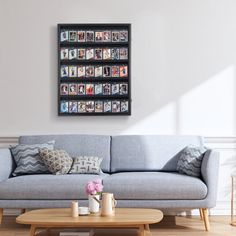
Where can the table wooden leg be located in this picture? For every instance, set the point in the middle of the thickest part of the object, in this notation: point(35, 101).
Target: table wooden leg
point(32, 230)
point(141, 230)
point(147, 231)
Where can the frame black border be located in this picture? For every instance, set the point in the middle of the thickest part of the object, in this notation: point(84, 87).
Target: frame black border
point(95, 27)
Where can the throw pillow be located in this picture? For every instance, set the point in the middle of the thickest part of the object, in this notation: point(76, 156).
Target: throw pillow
point(27, 158)
point(86, 165)
point(190, 161)
point(57, 161)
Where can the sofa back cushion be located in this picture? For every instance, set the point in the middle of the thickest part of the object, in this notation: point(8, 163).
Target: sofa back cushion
point(149, 152)
point(77, 145)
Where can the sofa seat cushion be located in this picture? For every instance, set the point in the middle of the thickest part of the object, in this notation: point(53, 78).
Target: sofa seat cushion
point(47, 186)
point(154, 186)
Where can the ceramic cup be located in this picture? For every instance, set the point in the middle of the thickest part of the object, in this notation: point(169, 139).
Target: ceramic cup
point(83, 211)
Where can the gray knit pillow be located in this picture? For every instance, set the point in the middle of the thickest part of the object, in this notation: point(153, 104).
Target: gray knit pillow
point(190, 161)
point(86, 165)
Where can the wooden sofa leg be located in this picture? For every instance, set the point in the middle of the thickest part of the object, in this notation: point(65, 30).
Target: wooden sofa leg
point(206, 219)
point(1, 215)
point(201, 214)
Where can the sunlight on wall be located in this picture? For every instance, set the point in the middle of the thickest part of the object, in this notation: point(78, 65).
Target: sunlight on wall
point(209, 109)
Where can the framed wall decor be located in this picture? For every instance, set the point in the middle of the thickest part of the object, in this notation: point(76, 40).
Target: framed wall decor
point(94, 69)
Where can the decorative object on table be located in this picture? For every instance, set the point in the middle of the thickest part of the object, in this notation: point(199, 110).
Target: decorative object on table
point(233, 221)
point(57, 161)
point(93, 190)
point(27, 158)
point(86, 165)
point(83, 211)
point(92, 56)
point(190, 161)
point(74, 209)
point(108, 203)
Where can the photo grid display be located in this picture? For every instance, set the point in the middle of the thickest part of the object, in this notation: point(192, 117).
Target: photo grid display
point(101, 55)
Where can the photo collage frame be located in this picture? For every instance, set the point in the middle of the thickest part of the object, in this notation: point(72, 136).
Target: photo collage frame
point(94, 70)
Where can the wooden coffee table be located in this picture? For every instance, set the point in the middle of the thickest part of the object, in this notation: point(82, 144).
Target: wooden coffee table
point(61, 218)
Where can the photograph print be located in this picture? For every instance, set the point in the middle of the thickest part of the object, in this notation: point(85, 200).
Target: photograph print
point(124, 36)
point(123, 89)
point(89, 36)
point(98, 54)
point(115, 106)
point(81, 71)
point(89, 71)
point(106, 71)
point(72, 89)
point(124, 106)
point(72, 53)
point(98, 36)
point(64, 90)
point(72, 36)
point(73, 107)
point(98, 89)
point(115, 89)
point(89, 53)
point(81, 107)
point(72, 71)
point(107, 106)
point(115, 71)
point(64, 53)
point(106, 89)
point(89, 89)
point(99, 106)
point(123, 53)
point(64, 107)
point(107, 36)
point(98, 71)
point(64, 71)
point(81, 89)
point(115, 36)
point(123, 71)
point(89, 106)
point(81, 36)
point(81, 54)
point(106, 54)
point(64, 36)
point(115, 54)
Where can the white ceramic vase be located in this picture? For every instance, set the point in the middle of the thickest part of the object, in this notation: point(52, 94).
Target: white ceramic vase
point(93, 204)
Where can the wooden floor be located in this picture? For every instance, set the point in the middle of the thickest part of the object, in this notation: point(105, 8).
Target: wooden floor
point(170, 226)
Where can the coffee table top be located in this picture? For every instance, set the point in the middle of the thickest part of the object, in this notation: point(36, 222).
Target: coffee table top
point(62, 217)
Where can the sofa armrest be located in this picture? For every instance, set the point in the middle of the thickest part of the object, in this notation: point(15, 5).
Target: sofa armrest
point(6, 164)
point(210, 172)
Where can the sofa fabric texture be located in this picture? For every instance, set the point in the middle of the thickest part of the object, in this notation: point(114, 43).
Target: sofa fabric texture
point(190, 161)
point(27, 158)
point(46, 186)
point(58, 162)
point(86, 165)
point(149, 152)
point(77, 145)
point(154, 185)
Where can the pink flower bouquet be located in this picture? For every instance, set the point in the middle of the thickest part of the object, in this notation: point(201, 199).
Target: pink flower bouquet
point(94, 187)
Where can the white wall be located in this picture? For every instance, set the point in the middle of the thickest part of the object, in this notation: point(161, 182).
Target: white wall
point(183, 66)
point(183, 70)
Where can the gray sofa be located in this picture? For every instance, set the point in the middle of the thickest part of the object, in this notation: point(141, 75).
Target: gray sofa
point(139, 169)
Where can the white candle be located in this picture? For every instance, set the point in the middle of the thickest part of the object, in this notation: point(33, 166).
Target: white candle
point(74, 209)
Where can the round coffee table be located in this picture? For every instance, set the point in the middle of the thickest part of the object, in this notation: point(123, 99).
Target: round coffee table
point(61, 218)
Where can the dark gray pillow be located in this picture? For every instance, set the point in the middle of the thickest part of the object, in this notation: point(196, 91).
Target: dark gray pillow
point(28, 160)
point(190, 161)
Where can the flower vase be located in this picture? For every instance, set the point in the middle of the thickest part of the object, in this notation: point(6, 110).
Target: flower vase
point(94, 203)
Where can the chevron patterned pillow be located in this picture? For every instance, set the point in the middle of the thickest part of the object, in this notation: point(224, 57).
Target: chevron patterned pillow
point(27, 158)
point(57, 161)
point(86, 165)
point(190, 161)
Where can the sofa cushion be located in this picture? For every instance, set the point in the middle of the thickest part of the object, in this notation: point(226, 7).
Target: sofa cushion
point(77, 145)
point(86, 165)
point(149, 152)
point(154, 186)
point(58, 162)
point(190, 161)
point(27, 158)
point(46, 187)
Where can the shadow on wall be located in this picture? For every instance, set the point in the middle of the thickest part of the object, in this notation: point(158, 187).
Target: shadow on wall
point(180, 85)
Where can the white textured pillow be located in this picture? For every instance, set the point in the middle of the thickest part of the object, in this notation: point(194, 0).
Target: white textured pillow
point(86, 165)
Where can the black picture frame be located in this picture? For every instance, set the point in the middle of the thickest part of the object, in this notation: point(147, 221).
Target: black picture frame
point(75, 62)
